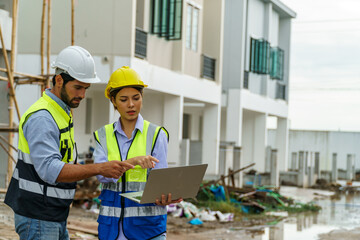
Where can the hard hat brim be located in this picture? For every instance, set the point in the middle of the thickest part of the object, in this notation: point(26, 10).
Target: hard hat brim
point(89, 80)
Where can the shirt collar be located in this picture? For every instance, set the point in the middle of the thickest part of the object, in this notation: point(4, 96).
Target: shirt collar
point(58, 100)
point(139, 125)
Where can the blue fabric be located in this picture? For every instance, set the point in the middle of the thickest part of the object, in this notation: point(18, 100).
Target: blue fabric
point(160, 149)
point(195, 221)
point(219, 192)
point(42, 134)
point(139, 228)
point(28, 228)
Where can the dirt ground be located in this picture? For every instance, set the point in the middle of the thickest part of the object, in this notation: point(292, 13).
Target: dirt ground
point(178, 228)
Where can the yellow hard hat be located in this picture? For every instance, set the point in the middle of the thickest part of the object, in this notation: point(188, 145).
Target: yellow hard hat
point(122, 77)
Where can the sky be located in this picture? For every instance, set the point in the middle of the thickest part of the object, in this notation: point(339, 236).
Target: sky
point(325, 65)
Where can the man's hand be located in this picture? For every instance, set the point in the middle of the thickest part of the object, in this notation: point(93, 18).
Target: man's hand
point(144, 161)
point(167, 201)
point(114, 169)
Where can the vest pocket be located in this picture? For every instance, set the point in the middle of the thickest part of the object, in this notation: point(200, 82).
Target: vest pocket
point(105, 227)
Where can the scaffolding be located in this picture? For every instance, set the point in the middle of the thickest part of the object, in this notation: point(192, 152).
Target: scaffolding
point(15, 78)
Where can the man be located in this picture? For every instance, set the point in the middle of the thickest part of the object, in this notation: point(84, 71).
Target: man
point(43, 183)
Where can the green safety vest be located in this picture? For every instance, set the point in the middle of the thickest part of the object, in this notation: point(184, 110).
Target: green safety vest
point(28, 195)
point(140, 221)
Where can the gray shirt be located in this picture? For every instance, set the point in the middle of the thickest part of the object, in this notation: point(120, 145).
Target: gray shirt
point(42, 135)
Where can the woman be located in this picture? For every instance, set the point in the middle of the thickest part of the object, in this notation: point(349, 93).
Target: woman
point(140, 143)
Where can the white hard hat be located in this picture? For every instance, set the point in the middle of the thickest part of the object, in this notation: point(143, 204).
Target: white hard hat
point(78, 63)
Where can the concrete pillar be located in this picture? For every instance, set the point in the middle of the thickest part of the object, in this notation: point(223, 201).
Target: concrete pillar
point(268, 159)
point(173, 116)
point(294, 165)
point(354, 166)
point(211, 137)
point(234, 117)
point(349, 167)
point(185, 152)
point(334, 171)
point(317, 165)
point(229, 159)
point(259, 143)
point(282, 141)
point(277, 233)
point(311, 179)
point(302, 166)
point(194, 127)
point(306, 162)
point(274, 169)
point(237, 163)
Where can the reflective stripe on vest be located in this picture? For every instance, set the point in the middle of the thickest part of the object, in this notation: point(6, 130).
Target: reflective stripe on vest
point(35, 187)
point(133, 211)
point(129, 186)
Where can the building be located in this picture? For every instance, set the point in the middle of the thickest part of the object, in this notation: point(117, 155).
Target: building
point(256, 79)
point(214, 75)
point(324, 151)
point(175, 46)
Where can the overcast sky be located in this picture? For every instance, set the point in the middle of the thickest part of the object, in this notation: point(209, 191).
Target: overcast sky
point(325, 65)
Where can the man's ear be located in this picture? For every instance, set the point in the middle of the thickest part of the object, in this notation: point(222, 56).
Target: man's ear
point(59, 81)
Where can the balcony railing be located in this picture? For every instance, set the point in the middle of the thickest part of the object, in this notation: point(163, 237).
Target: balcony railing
point(140, 43)
point(209, 65)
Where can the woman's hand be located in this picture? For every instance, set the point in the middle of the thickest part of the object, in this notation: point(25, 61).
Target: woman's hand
point(166, 201)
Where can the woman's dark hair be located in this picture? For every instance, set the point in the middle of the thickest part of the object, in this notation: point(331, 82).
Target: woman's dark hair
point(66, 77)
point(115, 91)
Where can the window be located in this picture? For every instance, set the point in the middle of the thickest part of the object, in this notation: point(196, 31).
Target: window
point(259, 56)
point(280, 91)
point(140, 43)
point(167, 18)
point(209, 65)
point(277, 63)
point(192, 26)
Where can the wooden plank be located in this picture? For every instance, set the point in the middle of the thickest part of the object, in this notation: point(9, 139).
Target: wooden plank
point(9, 129)
point(48, 46)
point(24, 74)
point(234, 172)
point(72, 22)
point(8, 152)
point(7, 142)
point(3, 190)
point(42, 38)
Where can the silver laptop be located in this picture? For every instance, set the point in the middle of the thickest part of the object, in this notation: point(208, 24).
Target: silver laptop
point(181, 182)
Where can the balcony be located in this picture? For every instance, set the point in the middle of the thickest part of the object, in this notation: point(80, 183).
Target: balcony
point(209, 65)
point(140, 43)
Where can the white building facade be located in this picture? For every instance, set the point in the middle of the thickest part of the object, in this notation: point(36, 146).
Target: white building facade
point(256, 79)
point(216, 70)
point(331, 148)
point(175, 46)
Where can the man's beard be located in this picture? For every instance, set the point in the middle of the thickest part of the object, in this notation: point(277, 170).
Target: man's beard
point(65, 97)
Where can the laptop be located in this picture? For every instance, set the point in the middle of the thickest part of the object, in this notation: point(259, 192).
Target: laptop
point(181, 182)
